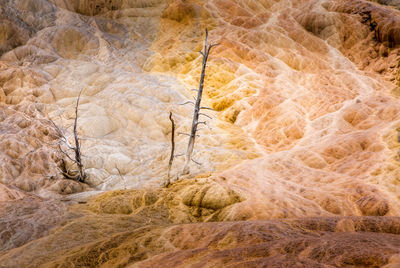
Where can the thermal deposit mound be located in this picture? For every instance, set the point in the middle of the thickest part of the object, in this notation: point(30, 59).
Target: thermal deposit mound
point(298, 164)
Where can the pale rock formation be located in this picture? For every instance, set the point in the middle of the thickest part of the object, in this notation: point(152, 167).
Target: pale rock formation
point(123, 116)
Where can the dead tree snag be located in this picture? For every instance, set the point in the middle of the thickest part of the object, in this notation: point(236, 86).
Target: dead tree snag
point(171, 158)
point(79, 174)
point(197, 107)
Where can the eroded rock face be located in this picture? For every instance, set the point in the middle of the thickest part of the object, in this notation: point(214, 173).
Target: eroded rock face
point(305, 126)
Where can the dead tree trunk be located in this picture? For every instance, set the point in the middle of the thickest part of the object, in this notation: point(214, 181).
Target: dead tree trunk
point(171, 158)
point(197, 107)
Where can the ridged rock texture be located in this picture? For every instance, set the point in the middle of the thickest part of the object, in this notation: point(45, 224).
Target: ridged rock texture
point(298, 165)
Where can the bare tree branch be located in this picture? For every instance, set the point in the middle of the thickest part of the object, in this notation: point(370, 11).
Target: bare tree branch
point(207, 108)
point(214, 45)
point(203, 122)
point(188, 102)
point(64, 173)
point(198, 163)
point(206, 115)
point(61, 135)
point(58, 130)
point(67, 155)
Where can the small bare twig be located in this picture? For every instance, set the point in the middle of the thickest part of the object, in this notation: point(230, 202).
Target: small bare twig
point(122, 177)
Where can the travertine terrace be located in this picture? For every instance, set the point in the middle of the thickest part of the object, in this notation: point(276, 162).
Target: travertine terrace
point(299, 163)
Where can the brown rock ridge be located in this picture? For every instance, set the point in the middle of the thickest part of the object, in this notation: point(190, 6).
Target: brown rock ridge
point(141, 228)
point(103, 217)
point(313, 242)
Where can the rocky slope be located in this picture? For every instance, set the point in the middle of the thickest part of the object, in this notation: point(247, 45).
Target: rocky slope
point(303, 139)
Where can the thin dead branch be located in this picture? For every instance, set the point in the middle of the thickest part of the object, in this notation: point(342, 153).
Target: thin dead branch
point(122, 177)
point(196, 162)
point(206, 115)
point(188, 102)
point(77, 148)
point(207, 108)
